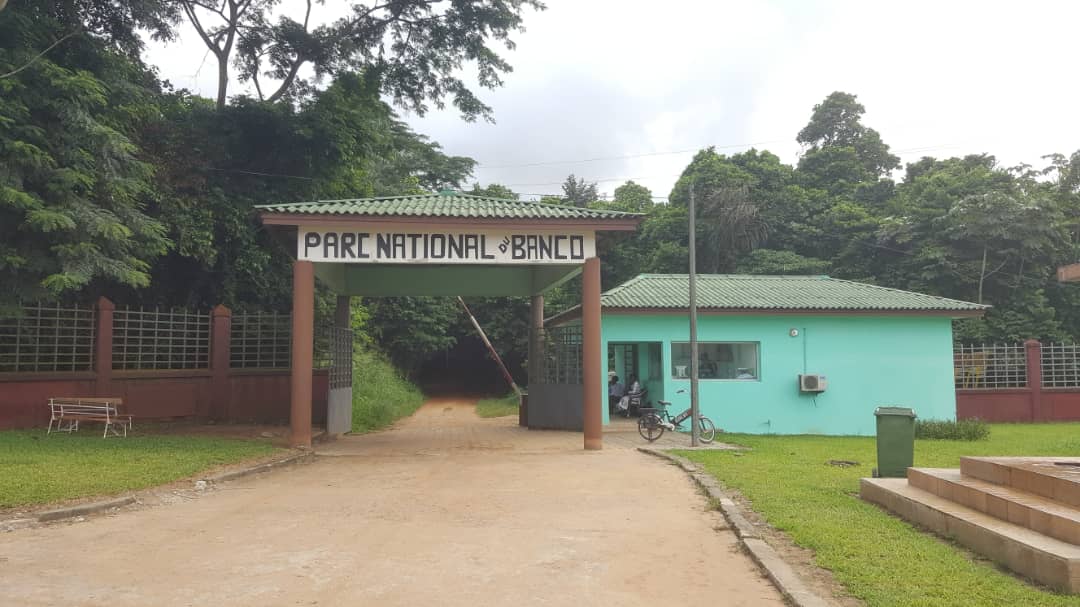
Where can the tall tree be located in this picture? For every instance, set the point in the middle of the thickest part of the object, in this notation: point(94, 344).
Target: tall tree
point(74, 191)
point(841, 152)
point(413, 49)
point(578, 192)
point(632, 197)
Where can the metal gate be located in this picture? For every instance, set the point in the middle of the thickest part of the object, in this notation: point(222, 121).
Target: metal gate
point(556, 391)
point(339, 401)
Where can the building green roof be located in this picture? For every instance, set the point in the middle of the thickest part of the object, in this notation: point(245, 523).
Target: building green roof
point(446, 204)
point(780, 293)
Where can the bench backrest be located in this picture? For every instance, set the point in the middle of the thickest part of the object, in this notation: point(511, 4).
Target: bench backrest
point(86, 406)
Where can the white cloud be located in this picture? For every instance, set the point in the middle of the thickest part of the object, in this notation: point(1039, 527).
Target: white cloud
point(608, 78)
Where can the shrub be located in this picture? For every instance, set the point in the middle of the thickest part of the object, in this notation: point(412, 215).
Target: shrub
point(964, 429)
point(381, 394)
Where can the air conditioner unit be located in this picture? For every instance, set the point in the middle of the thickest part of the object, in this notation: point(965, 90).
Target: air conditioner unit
point(812, 383)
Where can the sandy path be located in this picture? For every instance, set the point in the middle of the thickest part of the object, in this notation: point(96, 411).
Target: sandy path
point(446, 509)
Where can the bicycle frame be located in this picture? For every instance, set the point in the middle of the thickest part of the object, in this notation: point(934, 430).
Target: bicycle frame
point(678, 419)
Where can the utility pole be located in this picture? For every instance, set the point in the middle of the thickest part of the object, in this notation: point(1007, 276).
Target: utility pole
point(694, 408)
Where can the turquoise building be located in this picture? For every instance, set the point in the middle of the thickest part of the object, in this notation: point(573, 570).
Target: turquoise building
point(784, 354)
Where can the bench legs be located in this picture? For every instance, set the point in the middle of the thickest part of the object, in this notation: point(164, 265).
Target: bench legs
point(118, 427)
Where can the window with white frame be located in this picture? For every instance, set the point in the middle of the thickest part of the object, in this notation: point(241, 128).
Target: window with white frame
point(717, 360)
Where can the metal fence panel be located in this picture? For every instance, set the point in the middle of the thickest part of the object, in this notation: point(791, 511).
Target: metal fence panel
point(561, 362)
point(1060, 365)
point(989, 366)
point(47, 339)
point(155, 339)
point(341, 357)
point(261, 341)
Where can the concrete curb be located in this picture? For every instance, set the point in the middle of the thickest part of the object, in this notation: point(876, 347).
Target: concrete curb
point(82, 509)
point(268, 466)
point(786, 580)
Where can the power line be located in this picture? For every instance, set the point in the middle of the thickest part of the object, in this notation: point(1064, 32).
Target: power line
point(627, 156)
point(259, 173)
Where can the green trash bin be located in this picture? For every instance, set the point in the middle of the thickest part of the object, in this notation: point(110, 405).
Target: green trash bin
point(895, 441)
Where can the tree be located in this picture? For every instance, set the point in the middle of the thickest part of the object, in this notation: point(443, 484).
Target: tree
point(765, 261)
point(840, 151)
point(494, 190)
point(578, 192)
point(731, 226)
point(632, 197)
point(411, 49)
point(74, 191)
point(410, 329)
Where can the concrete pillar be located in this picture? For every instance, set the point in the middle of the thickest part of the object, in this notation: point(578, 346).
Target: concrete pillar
point(536, 327)
point(591, 361)
point(1033, 354)
point(303, 344)
point(220, 353)
point(536, 352)
point(103, 334)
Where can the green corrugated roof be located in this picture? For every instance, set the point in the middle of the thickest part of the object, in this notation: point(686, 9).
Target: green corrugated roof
point(446, 204)
point(750, 292)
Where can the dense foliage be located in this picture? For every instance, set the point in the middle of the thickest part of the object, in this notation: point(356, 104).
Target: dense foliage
point(114, 183)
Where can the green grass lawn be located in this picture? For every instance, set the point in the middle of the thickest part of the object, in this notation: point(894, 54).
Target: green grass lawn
point(498, 407)
point(877, 557)
point(35, 469)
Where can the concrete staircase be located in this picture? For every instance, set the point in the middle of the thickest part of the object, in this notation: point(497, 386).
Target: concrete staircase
point(1021, 512)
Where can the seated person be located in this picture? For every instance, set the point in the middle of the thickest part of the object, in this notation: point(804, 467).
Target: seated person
point(616, 392)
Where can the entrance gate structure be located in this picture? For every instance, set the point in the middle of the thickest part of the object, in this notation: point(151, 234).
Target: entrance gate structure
point(447, 244)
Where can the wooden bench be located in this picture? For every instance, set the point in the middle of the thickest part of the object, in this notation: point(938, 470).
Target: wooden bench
point(66, 413)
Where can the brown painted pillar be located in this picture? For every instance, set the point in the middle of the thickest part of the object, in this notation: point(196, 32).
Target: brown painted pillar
point(220, 353)
point(303, 343)
point(590, 354)
point(1033, 353)
point(536, 352)
point(342, 313)
point(103, 335)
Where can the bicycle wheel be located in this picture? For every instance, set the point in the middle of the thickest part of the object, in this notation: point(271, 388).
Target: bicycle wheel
point(706, 430)
point(649, 427)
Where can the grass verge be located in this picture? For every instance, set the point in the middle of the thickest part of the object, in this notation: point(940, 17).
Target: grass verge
point(498, 407)
point(39, 469)
point(877, 557)
point(381, 395)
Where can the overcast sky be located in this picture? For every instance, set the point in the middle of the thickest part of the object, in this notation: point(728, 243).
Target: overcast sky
point(609, 78)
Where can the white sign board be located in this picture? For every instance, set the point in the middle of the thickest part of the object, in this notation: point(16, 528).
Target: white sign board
point(404, 244)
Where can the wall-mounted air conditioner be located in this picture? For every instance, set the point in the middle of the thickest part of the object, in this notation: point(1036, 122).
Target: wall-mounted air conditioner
point(812, 383)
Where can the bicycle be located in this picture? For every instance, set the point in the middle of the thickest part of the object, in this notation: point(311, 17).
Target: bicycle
point(654, 421)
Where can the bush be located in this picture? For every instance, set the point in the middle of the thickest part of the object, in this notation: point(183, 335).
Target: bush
point(964, 429)
point(381, 394)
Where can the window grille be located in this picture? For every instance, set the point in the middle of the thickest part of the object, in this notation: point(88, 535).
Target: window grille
point(47, 339)
point(1060, 365)
point(561, 363)
point(981, 366)
point(155, 339)
point(261, 341)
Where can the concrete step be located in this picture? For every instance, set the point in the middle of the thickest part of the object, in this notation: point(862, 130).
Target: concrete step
point(1055, 478)
point(1047, 560)
point(1035, 512)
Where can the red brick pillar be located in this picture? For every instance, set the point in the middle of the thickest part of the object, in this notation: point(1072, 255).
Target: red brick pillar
point(220, 354)
point(1033, 352)
point(303, 344)
point(590, 355)
point(103, 336)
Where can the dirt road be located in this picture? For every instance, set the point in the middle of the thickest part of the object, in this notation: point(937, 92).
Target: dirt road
point(447, 509)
